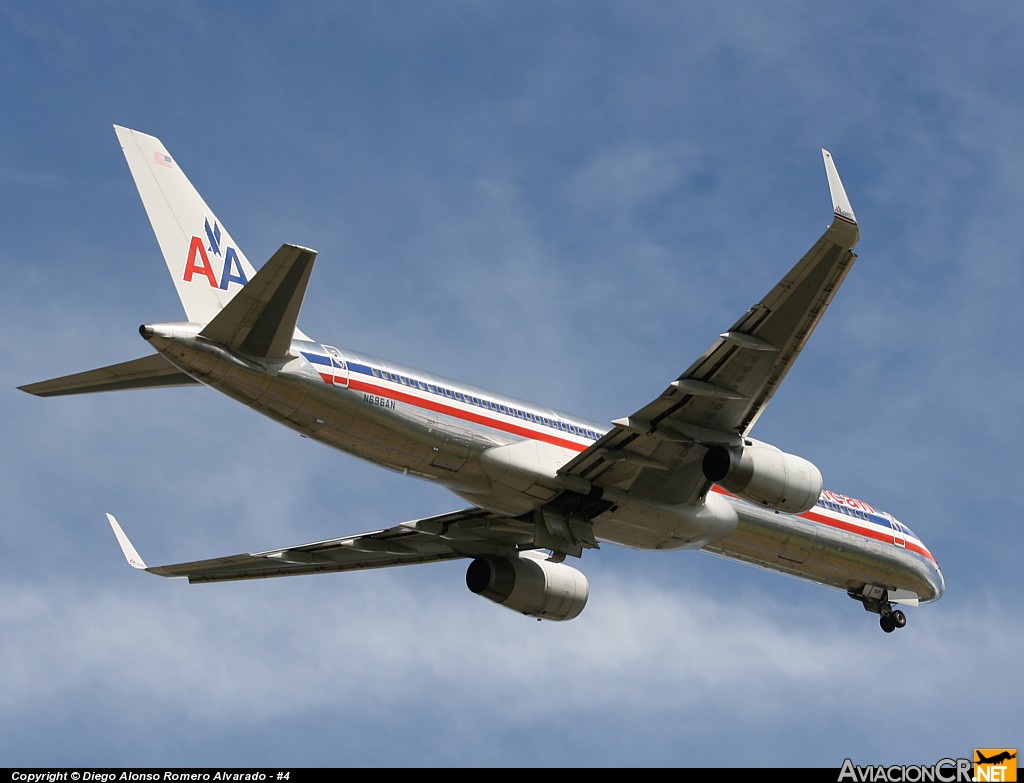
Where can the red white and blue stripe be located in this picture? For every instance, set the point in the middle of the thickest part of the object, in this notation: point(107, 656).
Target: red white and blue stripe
point(833, 510)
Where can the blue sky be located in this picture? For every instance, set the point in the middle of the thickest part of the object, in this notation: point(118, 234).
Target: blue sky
point(565, 201)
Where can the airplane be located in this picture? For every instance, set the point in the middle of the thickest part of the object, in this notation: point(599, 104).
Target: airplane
point(996, 759)
point(680, 472)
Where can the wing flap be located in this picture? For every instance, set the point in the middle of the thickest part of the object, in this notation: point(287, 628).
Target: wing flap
point(430, 540)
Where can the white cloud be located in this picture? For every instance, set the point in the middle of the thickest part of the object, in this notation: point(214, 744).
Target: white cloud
point(255, 655)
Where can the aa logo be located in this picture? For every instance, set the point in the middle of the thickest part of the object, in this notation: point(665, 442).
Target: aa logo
point(995, 764)
point(199, 261)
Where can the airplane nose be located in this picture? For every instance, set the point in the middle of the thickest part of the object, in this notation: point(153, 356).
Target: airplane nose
point(938, 583)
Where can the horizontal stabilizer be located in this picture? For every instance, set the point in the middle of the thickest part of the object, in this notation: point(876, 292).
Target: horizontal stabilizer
point(260, 320)
point(145, 373)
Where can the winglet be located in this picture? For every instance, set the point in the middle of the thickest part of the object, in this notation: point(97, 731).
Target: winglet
point(844, 226)
point(126, 546)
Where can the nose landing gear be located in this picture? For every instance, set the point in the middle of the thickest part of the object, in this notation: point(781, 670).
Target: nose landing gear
point(876, 599)
point(890, 622)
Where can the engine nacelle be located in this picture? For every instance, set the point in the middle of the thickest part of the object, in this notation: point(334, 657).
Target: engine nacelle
point(530, 584)
point(765, 475)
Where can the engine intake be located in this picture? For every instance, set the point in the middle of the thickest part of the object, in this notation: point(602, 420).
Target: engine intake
point(765, 475)
point(530, 584)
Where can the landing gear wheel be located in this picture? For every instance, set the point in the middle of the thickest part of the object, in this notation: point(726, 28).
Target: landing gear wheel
point(888, 623)
point(899, 618)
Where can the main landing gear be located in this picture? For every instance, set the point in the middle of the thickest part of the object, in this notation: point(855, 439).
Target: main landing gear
point(876, 599)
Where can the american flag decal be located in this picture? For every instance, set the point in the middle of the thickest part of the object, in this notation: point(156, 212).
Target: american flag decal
point(161, 159)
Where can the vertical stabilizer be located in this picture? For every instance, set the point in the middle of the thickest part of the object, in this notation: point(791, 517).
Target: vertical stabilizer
point(206, 265)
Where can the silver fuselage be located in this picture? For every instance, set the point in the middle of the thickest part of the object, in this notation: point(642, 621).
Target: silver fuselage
point(442, 431)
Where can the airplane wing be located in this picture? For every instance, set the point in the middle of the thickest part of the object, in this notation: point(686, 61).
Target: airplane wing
point(472, 532)
point(658, 450)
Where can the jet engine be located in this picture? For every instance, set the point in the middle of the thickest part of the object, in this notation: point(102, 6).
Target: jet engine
point(765, 475)
point(530, 584)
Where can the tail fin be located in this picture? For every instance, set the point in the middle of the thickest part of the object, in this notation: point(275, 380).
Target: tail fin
point(208, 270)
point(206, 265)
